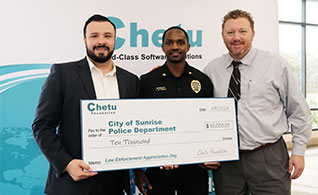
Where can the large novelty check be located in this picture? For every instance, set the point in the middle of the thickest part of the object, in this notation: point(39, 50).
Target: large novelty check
point(135, 133)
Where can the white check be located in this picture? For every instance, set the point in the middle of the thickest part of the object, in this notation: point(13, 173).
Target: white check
point(135, 133)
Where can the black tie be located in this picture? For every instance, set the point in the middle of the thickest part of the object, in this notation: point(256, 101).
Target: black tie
point(235, 87)
point(235, 82)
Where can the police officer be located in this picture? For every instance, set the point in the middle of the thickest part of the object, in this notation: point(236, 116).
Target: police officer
point(175, 79)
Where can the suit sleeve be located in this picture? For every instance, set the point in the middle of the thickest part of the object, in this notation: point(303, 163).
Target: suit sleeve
point(47, 119)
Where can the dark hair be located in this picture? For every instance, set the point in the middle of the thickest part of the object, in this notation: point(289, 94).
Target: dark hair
point(174, 27)
point(237, 13)
point(97, 18)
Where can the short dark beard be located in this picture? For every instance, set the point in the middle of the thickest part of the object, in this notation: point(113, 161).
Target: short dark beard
point(101, 58)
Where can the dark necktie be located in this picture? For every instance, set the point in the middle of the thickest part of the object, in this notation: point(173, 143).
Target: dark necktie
point(235, 88)
point(235, 82)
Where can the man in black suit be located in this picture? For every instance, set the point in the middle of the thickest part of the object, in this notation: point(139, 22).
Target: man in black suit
point(94, 77)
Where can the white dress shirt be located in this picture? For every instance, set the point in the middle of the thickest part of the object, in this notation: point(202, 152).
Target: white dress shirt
point(270, 99)
point(106, 85)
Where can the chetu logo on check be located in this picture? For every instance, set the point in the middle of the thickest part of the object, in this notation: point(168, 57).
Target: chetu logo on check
point(104, 107)
point(156, 36)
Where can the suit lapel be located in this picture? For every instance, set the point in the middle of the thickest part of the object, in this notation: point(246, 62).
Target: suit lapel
point(121, 82)
point(86, 78)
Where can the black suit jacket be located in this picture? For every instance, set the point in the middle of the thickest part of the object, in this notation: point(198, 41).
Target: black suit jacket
point(59, 107)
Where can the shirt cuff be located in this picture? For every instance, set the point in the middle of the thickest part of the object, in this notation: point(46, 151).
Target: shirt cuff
point(298, 149)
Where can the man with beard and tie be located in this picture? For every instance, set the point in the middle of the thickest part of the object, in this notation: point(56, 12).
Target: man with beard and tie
point(57, 124)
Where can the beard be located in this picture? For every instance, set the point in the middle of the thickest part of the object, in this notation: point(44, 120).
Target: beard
point(101, 58)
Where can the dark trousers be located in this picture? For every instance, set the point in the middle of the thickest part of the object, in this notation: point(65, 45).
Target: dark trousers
point(261, 172)
point(108, 183)
point(186, 180)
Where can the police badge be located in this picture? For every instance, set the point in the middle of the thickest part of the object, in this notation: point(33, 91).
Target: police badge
point(196, 86)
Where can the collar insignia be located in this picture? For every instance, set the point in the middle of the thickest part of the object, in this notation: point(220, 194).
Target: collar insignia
point(163, 88)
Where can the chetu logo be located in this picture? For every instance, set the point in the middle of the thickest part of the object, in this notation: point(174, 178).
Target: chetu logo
point(97, 107)
point(156, 36)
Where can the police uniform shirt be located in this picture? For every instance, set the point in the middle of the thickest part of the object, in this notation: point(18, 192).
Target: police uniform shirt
point(161, 83)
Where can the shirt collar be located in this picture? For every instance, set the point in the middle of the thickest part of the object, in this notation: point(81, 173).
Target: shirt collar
point(247, 60)
point(92, 66)
point(166, 71)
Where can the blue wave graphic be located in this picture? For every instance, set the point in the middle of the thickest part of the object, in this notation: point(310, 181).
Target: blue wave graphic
point(13, 75)
point(23, 167)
